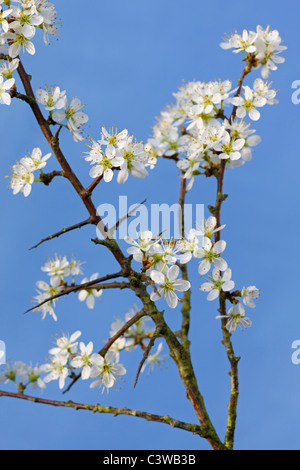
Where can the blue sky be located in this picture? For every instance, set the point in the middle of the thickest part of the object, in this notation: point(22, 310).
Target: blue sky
point(124, 61)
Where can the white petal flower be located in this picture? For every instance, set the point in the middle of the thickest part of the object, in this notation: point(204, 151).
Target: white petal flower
point(236, 317)
point(210, 253)
point(66, 345)
point(57, 370)
point(52, 98)
point(168, 284)
point(48, 291)
point(248, 294)
point(84, 360)
point(89, 295)
point(22, 178)
point(56, 268)
point(5, 97)
point(218, 283)
point(106, 370)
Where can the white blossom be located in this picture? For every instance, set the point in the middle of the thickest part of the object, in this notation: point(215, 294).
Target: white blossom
point(5, 97)
point(34, 375)
point(264, 43)
point(57, 370)
point(20, 39)
point(117, 139)
point(168, 284)
point(106, 370)
point(55, 268)
point(89, 295)
point(22, 178)
point(135, 157)
point(84, 360)
point(248, 294)
point(7, 68)
point(245, 42)
point(219, 282)
point(236, 317)
point(3, 21)
point(45, 292)
point(145, 246)
point(249, 104)
point(74, 116)
point(36, 161)
point(18, 369)
point(104, 161)
point(66, 345)
point(210, 253)
point(268, 44)
point(208, 228)
point(52, 98)
point(229, 147)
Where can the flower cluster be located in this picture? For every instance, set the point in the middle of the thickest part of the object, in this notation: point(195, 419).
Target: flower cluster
point(22, 176)
point(18, 25)
point(69, 355)
point(220, 280)
point(24, 375)
point(66, 356)
point(19, 22)
point(160, 261)
point(60, 110)
point(121, 152)
point(158, 258)
point(59, 269)
point(195, 130)
point(265, 44)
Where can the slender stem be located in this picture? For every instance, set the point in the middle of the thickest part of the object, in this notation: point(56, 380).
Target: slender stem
point(46, 178)
point(146, 354)
point(234, 389)
point(69, 290)
point(111, 410)
point(245, 72)
point(68, 172)
point(234, 392)
point(186, 301)
point(70, 175)
point(92, 186)
point(61, 232)
point(112, 285)
point(182, 360)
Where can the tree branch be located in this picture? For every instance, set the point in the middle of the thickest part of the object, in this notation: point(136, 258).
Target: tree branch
point(88, 191)
point(46, 178)
point(68, 172)
point(146, 354)
point(64, 230)
point(193, 428)
point(69, 290)
point(54, 144)
point(186, 301)
point(216, 211)
point(250, 62)
point(182, 360)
